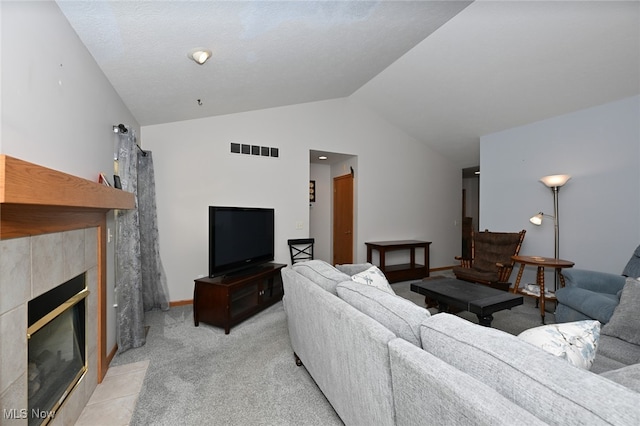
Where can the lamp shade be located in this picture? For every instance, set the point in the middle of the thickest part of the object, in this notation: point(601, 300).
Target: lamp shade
point(537, 219)
point(555, 180)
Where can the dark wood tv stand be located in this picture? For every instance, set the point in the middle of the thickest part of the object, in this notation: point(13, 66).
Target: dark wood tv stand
point(227, 301)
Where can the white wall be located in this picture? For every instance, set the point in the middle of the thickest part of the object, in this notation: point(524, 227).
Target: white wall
point(405, 190)
point(599, 208)
point(58, 108)
point(320, 212)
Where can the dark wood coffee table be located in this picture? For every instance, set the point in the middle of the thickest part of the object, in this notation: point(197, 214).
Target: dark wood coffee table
point(475, 298)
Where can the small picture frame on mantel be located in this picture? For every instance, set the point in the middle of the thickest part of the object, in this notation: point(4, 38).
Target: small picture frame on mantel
point(312, 191)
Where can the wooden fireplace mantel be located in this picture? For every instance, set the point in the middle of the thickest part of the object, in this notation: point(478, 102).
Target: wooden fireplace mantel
point(36, 200)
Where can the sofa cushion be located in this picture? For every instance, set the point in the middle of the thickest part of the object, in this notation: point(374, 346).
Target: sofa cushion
point(575, 342)
point(373, 277)
point(628, 376)
point(321, 273)
point(427, 390)
point(600, 282)
point(625, 321)
point(398, 314)
point(595, 305)
point(546, 386)
point(617, 349)
point(632, 268)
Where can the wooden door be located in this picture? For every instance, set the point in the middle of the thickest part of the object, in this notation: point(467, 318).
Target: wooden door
point(343, 219)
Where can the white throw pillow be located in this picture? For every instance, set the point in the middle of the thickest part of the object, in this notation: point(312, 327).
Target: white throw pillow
point(576, 342)
point(375, 278)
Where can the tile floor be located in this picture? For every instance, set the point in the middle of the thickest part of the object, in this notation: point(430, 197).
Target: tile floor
point(114, 400)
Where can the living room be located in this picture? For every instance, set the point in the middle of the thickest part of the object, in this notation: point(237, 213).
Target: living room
point(58, 108)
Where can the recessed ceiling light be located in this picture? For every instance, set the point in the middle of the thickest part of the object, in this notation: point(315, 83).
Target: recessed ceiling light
point(200, 56)
point(322, 157)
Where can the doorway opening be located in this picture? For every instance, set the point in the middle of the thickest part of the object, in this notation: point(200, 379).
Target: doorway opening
point(470, 207)
point(322, 222)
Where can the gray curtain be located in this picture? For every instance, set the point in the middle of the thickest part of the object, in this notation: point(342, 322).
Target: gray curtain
point(140, 280)
point(155, 291)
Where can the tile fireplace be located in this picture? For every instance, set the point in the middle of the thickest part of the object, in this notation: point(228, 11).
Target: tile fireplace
point(52, 229)
point(36, 272)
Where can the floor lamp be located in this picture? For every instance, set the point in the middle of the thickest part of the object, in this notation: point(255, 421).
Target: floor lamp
point(554, 182)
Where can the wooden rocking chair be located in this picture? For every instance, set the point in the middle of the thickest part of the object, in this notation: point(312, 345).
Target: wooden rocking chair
point(490, 261)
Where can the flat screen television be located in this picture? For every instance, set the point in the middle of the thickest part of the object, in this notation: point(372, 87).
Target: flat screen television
point(240, 238)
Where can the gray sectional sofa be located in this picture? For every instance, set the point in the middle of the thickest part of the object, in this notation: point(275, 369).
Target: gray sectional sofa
point(381, 360)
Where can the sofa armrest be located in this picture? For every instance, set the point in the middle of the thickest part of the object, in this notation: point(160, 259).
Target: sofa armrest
point(600, 282)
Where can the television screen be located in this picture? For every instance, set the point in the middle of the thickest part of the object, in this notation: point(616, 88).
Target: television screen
point(239, 238)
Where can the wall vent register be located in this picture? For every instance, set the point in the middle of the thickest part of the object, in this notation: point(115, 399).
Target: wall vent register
point(261, 151)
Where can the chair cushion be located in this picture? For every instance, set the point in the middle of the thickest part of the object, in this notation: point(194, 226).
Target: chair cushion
point(321, 273)
point(575, 342)
point(473, 274)
point(625, 321)
point(398, 314)
point(494, 247)
point(599, 306)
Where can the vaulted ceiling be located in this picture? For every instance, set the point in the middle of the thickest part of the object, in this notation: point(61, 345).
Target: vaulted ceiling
point(447, 72)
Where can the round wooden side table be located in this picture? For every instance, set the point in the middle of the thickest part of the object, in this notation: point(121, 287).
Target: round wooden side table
point(541, 263)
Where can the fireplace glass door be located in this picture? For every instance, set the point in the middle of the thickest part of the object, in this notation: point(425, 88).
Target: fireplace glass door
point(56, 351)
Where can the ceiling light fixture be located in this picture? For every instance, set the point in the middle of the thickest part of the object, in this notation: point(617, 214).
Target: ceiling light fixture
point(322, 157)
point(200, 56)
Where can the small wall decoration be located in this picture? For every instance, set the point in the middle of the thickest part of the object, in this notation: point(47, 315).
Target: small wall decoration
point(312, 191)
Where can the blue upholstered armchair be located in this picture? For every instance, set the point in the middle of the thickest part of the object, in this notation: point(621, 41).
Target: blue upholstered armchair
point(591, 294)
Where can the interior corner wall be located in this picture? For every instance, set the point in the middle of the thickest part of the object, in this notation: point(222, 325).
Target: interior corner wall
point(405, 190)
point(321, 213)
point(599, 207)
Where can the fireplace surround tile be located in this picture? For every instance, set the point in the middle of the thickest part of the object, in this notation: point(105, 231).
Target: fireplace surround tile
point(73, 254)
point(46, 263)
point(15, 285)
point(13, 326)
point(90, 248)
point(14, 397)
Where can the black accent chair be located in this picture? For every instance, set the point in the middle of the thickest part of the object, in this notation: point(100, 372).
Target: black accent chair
point(301, 249)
